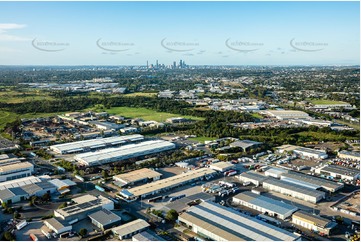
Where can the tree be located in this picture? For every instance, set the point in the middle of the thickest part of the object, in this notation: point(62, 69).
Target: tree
point(8, 236)
point(46, 197)
point(83, 232)
point(104, 174)
point(172, 215)
point(4, 205)
point(63, 205)
point(16, 215)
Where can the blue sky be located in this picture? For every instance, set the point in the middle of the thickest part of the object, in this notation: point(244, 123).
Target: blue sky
point(212, 33)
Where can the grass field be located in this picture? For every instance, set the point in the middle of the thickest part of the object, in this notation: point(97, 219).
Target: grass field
point(10, 96)
point(141, 94)
point(144, 113)
point(325, 102)
point(8, 117)
point(201, 139)
point(257, 115)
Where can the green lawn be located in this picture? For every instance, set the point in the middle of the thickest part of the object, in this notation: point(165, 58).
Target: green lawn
point(146, 114)
point(201, 139)
point(257, 115)
point(141, 94)
point(324, 101)
point(10, 96)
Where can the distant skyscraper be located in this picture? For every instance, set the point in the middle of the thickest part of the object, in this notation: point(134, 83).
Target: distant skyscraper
point(174, 65)
point(147, 65)
point(156, 64)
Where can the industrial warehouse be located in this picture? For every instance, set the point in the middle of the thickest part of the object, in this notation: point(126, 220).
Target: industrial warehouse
point(19, 182)
point(287, 114)
point(337, 172)
point(168, 183)
point(124, 152)
point(313, 222)
point(141, 175)
point(94, 144)
point(221, 166)
point(82, 206)
point(310, 153)
point(264, 204)
point(311, 181)
point(293, 190)
point(219, 223)
point(302, 151)
point(14, 170)
point(252, 177)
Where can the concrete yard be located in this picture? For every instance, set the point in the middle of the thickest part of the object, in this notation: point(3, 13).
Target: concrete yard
point(351, 204)
point(31, 228)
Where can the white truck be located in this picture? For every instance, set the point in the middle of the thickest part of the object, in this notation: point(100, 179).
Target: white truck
point(21, 224)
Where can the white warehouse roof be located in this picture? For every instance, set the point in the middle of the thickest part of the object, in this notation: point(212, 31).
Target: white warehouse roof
point(94, 143)
point(224, 223)
point(19, 182)
point(123, 152)
point(265, 202)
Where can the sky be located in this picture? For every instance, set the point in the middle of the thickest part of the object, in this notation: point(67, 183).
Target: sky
point(200, 33)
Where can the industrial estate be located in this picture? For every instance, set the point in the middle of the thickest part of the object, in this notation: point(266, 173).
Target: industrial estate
point(171, 149)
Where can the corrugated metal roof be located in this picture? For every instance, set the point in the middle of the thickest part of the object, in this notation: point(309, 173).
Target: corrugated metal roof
point(313, 180)
point(19, 182)
point(124, 152)
point(253, 175)
point(130, 227)
point(171, 181)
point(137, 175)
point(84, 144)
point(104, 217)
point(227, 224)
point(293, 187)
point(321, 222)
point(266, 202)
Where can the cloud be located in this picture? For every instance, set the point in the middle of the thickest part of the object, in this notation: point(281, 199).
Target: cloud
point(6, 27)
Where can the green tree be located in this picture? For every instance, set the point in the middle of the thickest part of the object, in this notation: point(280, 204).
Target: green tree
point(83, 232)
point(16, 215)
point(63, 205)
point(4, 205)
point(172, 215)
point(104, 174)
point(8, 236)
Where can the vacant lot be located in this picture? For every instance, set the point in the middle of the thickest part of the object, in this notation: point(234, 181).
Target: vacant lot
point(201, 139)
point(146, 114)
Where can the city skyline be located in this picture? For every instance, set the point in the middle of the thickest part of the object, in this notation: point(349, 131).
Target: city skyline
point(201, 33)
